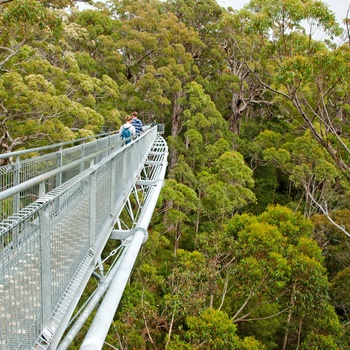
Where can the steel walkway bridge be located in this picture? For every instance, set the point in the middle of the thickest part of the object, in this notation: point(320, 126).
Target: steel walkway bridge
point(59, 206)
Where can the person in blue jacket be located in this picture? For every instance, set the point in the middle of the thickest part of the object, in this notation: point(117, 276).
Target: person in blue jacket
point(137, 123)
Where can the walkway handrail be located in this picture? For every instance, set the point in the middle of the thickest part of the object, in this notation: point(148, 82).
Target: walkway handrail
point(21, 170)
point(41, 178)
point(60, 145)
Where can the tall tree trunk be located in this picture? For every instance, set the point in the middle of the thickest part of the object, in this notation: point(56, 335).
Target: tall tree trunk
point(235, 120)
point(299, 334)
point(289, 318)
point(170, 331)
point(177, 239)
point(175, 126)
point(198, 210)
point(286, 332)
point(236, 115)
point(176, 114)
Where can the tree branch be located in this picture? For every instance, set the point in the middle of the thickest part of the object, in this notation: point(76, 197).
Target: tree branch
point(12, 52)
point(325, 212)
point(261, 318)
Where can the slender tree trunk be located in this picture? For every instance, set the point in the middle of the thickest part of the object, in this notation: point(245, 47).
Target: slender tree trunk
point(299, 333)
point(198, 211)
point(170, 331)
point(289, 319)
point(121, 347)
point(175, 126)
point(168, 205)
point(224, 292)
point(177, 238)
point(211, 301)
point(172, 158)
point(286, 333)
point(145, 321)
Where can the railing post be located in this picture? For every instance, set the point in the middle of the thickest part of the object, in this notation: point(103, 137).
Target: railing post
point(45, 266)
point(16, 181)
point(16, 205)
point(109, 142)
point(93, 191)
point(42, 189)
point(59, 164)
point(82, 154)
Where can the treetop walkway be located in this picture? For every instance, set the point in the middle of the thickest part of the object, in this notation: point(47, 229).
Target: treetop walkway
point(59, 206)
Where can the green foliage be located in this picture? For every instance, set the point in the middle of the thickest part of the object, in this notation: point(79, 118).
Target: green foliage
point(285, 273)
point(336, 254)
point(213, 330)
point(28, 17)
point(318, 341)
point(338, 291)
point(226, 188)
point(293, 225)
point(256, 113)
point(309, 169)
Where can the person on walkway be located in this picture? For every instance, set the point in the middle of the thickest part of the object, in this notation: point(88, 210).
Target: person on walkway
point(127, 130)
point(137, 123)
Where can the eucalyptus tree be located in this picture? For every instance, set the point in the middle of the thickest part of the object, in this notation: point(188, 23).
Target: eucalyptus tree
point(22, 23)
point(318, 89)
point(180, 204)
point(311, 170)
point(223, 72)
point(157, 50)
point(202, 125)
point(258, 283)
point(311, 79)
point(239, 92)
point(316, 185)
point(212, 329)
point(156, 64)
point(93, 36)
point(226, 188)
point(286, 286)
point(46, 97)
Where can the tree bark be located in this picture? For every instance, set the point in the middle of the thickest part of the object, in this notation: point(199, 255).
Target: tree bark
point(175, 126)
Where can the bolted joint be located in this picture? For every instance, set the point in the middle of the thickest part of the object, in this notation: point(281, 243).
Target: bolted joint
point(145, 232)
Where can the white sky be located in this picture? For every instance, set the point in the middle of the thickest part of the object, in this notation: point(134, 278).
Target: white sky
point(339, 7)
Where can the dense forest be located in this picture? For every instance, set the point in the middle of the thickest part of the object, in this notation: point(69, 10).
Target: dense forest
point(249, 247)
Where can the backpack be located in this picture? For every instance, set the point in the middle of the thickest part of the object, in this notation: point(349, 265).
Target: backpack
point(126, 133)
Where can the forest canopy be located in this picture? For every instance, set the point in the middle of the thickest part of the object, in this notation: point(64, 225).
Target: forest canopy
point(249, 244)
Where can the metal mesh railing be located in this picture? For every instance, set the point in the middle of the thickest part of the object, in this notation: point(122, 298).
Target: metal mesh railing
point(21, 169)
point(46, 247)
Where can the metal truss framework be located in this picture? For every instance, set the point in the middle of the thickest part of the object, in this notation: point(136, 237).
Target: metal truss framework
point(131, 231)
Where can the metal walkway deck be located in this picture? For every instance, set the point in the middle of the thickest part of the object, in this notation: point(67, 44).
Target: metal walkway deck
point(57, 212)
